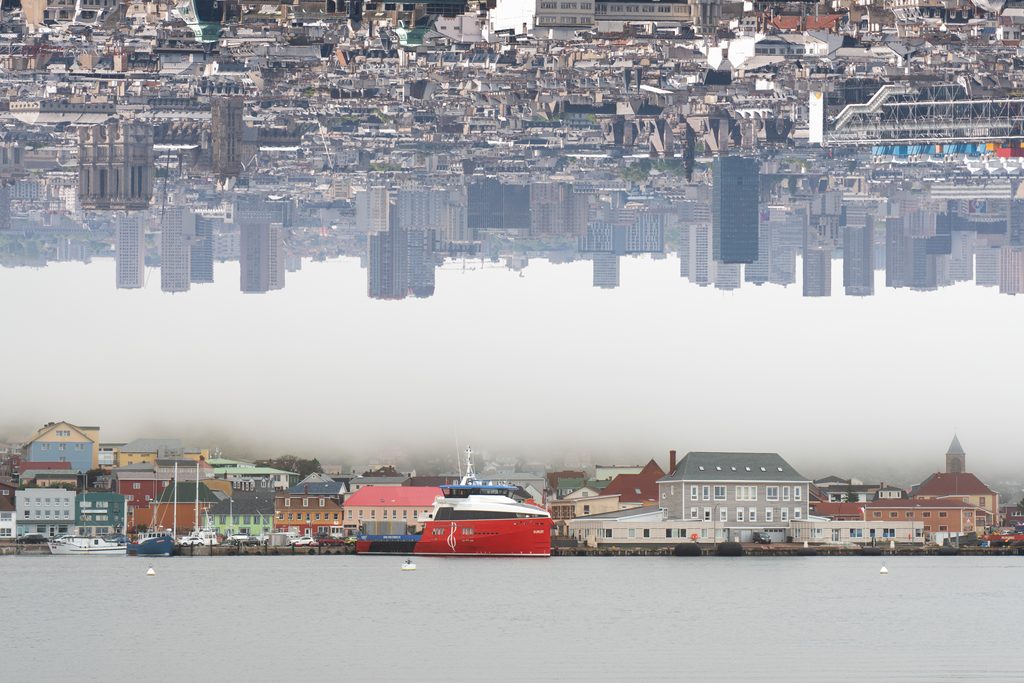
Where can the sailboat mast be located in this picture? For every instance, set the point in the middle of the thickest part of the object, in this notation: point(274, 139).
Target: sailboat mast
point(174, 528)
point(197, 497)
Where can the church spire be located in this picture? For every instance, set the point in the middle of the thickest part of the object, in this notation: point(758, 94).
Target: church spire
point(956, 459)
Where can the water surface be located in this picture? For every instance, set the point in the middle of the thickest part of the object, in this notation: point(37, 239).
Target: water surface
point(559, 619)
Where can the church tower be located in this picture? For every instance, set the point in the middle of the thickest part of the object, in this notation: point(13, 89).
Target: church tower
point(956, 459)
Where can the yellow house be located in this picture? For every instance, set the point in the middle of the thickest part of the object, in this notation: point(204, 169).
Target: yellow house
point(146, 451)
point(64, 442)
point(573, 505)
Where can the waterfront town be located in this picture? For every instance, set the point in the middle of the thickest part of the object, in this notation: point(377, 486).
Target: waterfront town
point(65, 481)
point(761, 142)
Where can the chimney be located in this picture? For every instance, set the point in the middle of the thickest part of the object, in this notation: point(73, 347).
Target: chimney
point(671, 461)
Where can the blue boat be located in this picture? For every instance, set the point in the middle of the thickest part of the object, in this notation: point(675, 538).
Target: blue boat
point(152, 544)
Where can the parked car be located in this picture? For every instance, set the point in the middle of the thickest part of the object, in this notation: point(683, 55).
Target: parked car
point(32, 538)
point(242, 539)
point(760, 537)
point(304, 541)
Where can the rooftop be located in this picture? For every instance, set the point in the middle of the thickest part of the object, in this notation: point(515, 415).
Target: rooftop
point(727, 466)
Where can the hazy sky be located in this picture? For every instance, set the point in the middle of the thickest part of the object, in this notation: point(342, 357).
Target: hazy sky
point(529, 366)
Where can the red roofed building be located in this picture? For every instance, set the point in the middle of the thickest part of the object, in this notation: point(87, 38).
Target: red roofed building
point(958, 484)
point(388, 504)
point(637, 489)
point(792, 22)
point(943, 515)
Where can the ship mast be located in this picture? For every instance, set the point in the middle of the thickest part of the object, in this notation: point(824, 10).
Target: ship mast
point(470, 475)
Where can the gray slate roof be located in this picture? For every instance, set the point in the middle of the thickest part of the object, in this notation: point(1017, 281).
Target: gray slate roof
point(258, 502)
point(711, 466)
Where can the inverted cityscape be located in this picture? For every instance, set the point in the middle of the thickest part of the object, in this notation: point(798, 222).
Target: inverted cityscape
point(683, 260)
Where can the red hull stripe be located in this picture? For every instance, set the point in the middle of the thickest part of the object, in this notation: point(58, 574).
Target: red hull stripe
point(504, 537)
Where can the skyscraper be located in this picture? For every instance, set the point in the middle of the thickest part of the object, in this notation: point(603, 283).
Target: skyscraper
point(202, 250)
point(420, 243)
point(896, 253)
point(1011, 270)
point(5, 206)
point(735, 193)
point(387, 275)
point(858, 258)
point(130, 256)
point(557, 209)
point(261, 243)
point(177, 226)
point(701, 268)
point(606, 270)
point(817, 271)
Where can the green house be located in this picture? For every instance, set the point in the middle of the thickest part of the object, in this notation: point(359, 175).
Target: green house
point(246, 512)
point(99, 513)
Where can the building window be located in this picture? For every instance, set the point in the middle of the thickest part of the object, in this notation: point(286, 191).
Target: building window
point(739, 514)
point(943, 527)
point(693, 492)
point(943, 514)
point(632, 533)
point(769, 514)
point(705, 492)
point(798, 493)
point(771, 493)
point(746, 493)
point(797, 513)
point(784, 514)
point(856, 533)
point(719, 493)
point(723, 515)
point(707, 514)
point(893, 515)
point(752, 515)
point(785, 493)
point(876, 515)
point(693, 513)
point(287, 502)
point(305, 502)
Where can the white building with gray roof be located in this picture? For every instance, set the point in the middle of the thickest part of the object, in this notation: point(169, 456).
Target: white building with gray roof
point(737, 493)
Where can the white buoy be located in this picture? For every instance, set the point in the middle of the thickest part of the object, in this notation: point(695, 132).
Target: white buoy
point(408, 566)
point(883, 570)
point(151, 572)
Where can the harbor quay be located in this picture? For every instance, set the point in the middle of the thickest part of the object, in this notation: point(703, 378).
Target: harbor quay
point(153, 497)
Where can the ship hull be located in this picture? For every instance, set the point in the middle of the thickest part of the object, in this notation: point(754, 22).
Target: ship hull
point(68, 549)
point(152, 547)
point(527, 537)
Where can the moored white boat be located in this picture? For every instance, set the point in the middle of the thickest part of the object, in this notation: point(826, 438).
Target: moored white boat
point(87, 545)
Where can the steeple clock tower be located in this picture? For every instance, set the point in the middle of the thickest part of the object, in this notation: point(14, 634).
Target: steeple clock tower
point(956, 459)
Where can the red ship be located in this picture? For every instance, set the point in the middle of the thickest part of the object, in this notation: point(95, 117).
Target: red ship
point(471, 518)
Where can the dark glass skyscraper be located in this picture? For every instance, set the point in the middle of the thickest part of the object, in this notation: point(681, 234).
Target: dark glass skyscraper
point(734, 212)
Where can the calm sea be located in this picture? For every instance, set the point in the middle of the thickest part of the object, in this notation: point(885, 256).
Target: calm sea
point(567, 619)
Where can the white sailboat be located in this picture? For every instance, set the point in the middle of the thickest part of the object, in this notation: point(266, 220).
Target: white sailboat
point(85, 545)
